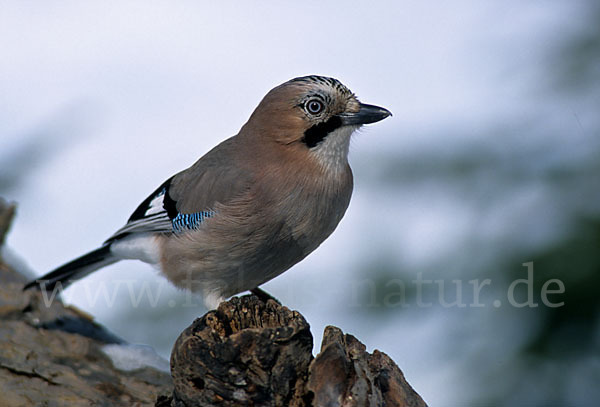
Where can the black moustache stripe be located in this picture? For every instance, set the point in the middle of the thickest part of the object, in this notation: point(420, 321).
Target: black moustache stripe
point(318, 132)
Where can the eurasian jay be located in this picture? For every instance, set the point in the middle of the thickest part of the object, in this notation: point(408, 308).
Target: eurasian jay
point(254, 205)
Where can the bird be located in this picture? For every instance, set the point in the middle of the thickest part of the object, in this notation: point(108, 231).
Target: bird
point(253, 206)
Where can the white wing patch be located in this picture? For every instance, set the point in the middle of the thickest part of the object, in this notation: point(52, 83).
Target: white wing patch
point(156, 204)
point(151, 217)
point(153, 220)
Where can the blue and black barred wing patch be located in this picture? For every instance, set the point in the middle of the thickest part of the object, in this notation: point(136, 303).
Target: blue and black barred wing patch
point(188, 221)
point(158, 214)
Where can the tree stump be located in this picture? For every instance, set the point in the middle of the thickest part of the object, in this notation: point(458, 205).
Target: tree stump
point(254, 354)
point(245, 353)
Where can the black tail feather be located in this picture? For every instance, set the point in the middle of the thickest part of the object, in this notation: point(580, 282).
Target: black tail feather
point(74, 269)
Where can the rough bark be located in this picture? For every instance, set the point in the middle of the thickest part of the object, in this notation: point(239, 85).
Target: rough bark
point(246, 353)
point(250, 353)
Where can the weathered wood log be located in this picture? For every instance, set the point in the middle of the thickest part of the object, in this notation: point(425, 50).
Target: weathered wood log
point(246, 353)
point(250, 353)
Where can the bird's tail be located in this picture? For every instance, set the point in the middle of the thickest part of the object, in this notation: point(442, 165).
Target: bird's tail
point(75, 269)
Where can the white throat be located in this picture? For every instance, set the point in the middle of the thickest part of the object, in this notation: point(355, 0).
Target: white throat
point(332, 152)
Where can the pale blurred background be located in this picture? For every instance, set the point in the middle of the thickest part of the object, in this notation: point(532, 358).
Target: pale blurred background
point(491, 160)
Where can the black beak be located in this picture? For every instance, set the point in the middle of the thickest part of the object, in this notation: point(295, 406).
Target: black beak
point(367, 114)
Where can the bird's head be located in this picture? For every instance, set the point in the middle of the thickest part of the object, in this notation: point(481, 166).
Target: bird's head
point(312, 114)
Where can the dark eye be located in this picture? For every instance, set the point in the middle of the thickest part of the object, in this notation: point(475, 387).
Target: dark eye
point(314, 106)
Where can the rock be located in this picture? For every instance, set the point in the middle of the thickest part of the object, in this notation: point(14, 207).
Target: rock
point(52, 355)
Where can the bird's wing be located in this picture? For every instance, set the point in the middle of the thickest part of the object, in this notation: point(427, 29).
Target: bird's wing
point(185, 200)
point(151, 216)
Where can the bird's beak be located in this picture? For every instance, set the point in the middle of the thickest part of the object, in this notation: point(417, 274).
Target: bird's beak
point(367, 114)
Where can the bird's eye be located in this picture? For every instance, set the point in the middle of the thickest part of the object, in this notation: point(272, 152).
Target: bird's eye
point(314, 106)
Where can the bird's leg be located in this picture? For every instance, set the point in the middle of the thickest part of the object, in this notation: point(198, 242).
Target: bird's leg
point(263, 295)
